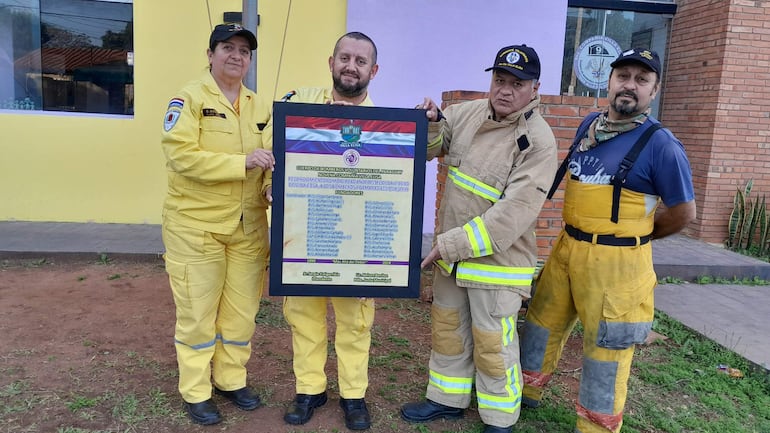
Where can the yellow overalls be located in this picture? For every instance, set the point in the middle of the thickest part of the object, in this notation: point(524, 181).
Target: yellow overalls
point(608, 287)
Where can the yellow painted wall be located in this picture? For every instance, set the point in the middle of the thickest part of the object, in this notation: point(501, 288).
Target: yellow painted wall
point(107, 169)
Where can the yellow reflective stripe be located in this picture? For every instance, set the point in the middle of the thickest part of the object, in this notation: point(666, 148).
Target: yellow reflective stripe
point(445, 266)
point(478, 237)
point(436, 142)
point(509, 329)
point(476, 187)
point(451, 385)
point(493, 274)
point(509, 403)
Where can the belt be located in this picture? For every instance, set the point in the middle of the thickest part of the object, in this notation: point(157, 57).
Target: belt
point(605, 239)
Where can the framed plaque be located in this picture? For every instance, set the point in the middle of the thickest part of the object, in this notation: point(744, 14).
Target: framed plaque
point(347, 200)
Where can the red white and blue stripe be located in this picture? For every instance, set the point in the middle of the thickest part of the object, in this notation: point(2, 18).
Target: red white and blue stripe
point(176, 103)
point(322, 135)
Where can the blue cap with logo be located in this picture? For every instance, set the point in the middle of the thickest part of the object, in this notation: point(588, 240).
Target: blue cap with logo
point(519, 60)
point(646, 57)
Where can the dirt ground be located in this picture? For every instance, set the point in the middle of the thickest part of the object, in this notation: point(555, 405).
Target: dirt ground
point(86, 345)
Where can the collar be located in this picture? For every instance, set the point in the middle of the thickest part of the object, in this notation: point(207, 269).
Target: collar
point(516, 115)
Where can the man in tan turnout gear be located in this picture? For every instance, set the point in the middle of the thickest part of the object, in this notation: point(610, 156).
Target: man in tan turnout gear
point(353, 64)
point(501, 156)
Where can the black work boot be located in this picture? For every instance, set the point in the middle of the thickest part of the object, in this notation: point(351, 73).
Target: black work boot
point(243, 398)
point(301, 409)
point(205, 412)
point(356, 413)
point(428, 410)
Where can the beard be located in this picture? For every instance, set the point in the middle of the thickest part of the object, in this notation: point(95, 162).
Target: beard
point(623, 107)
point(349, 90)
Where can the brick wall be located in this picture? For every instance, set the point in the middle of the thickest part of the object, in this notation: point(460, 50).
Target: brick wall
point(564, 114)
point(717, 102)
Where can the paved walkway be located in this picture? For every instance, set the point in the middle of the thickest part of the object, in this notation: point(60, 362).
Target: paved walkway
point(734, 315)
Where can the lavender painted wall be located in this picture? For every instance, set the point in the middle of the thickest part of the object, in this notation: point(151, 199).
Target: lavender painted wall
point(426, 47)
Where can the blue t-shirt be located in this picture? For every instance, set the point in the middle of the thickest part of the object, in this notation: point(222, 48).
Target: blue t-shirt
point(662, 168)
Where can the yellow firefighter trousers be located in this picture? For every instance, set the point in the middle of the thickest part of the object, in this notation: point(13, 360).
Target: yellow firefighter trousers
point(217, 282)
point(474, 337)
point(353, 318)
point(610, 289)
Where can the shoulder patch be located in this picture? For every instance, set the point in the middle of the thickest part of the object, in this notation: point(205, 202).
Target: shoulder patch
point(172, 113)
point(169, 120)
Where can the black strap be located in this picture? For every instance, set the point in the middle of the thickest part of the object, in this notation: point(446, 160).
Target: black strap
point(581, 132)
point(619, 178)
point(611, 240)
point(523, 141)
point(561, 172)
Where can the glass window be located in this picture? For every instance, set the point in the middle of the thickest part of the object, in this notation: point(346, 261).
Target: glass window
point(595, 37)
point(67, 55)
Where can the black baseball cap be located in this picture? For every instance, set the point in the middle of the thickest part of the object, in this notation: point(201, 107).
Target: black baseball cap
point(223, 32)
point(519, 60)
point(646, 57)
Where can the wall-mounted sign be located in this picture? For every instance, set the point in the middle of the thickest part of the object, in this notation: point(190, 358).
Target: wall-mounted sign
point(592, 61)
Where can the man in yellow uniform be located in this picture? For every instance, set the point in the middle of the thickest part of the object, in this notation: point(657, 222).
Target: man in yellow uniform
point(353, 64)
point(501, 155)
point(215, 224)
point(621, 165)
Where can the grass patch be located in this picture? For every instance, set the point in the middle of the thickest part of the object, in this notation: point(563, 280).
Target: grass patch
point(271, 314)
point(408, 310)
point(746, 281)
point(670, 280)
point(79, 402)
point(390, 360)
point(676, 386)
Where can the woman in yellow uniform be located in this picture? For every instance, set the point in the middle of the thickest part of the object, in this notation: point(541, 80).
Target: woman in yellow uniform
point(215, 224)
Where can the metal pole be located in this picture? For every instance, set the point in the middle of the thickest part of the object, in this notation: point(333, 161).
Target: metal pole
point(251, 21)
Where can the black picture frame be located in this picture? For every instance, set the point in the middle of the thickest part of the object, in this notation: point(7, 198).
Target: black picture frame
point(368, 207)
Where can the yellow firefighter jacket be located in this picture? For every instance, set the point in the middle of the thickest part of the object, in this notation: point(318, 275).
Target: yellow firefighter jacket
point(206, 142)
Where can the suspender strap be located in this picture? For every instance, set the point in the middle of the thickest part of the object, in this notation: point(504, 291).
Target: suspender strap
point(561, 171)
point(619, 178)
point(581, 132)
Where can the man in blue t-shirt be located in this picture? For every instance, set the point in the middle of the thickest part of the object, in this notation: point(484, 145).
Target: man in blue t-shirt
point(622, 164)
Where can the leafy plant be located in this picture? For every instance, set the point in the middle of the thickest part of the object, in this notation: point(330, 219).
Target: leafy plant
point(735, 222)
point(748, 223)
